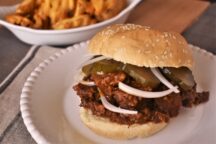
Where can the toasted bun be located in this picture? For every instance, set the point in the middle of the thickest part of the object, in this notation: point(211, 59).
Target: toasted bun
point(142, 46)
point(104, 127)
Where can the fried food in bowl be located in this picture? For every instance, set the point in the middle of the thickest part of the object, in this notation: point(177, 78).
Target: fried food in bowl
point(32, 24)
point(64, 14)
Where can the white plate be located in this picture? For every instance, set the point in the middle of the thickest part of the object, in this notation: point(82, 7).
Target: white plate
point(50, 108)
point(62, 37)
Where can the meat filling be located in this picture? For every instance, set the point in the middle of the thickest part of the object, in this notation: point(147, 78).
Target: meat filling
point(149, 109)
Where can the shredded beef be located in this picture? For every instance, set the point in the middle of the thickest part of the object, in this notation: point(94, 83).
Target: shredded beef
point(201, 97)
point(169, 104)
point(107, 82)
point(149, 110)
point(191, 97)
point(85, 92)
point(125, 100)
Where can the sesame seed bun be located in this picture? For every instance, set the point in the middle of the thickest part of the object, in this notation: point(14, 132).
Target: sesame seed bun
point(142, 46)
point(105, 128)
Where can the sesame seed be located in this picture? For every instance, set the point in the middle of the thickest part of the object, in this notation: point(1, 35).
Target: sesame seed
point(180, 42)
point(108, 27)
point(146, 27)
point(168, 43)
point(157, 40)
point(163, 56)
point(147, 45)
point(148, 52)
point(173, 37)
point(165, 52)
point(139, 51)
point(165, 34)
point(130, 26)
point(123, 37)
point(108, 33)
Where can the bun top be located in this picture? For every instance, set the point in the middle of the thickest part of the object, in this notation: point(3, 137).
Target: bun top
point(142, 46)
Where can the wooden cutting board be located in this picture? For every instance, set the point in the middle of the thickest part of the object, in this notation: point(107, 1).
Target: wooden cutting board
point(166, 15)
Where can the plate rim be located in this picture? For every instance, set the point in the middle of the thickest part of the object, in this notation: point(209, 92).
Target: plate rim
point(25, 96)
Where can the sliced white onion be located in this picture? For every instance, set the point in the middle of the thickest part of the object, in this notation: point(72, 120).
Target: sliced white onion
point(93, 60)
point(86, 63)
point(157, 73)
point(141, 93)
point(113, 108)
point(100, 73)
point(88, 83)
point(78, 76)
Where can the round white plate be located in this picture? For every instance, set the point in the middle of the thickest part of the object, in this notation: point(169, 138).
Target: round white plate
point(50, 108)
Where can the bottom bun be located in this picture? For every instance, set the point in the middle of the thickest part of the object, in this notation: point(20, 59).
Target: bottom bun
point(106, 128)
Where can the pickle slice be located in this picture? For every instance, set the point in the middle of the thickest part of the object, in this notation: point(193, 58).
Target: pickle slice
point(142, 75)
point(103, 66)
point(181, 76)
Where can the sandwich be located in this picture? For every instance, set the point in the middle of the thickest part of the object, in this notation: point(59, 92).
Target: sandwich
point(135, 81)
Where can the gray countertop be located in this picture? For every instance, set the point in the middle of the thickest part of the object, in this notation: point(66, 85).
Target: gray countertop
point(12, 51)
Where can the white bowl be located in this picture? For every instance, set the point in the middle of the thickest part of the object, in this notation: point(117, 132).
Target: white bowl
point(61, 37)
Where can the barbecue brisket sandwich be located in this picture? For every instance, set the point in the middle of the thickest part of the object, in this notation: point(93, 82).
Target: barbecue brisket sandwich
point(137, 80)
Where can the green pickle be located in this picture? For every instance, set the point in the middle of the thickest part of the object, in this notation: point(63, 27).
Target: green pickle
point(104, 66)
point(142, 75)
point(182, 76)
